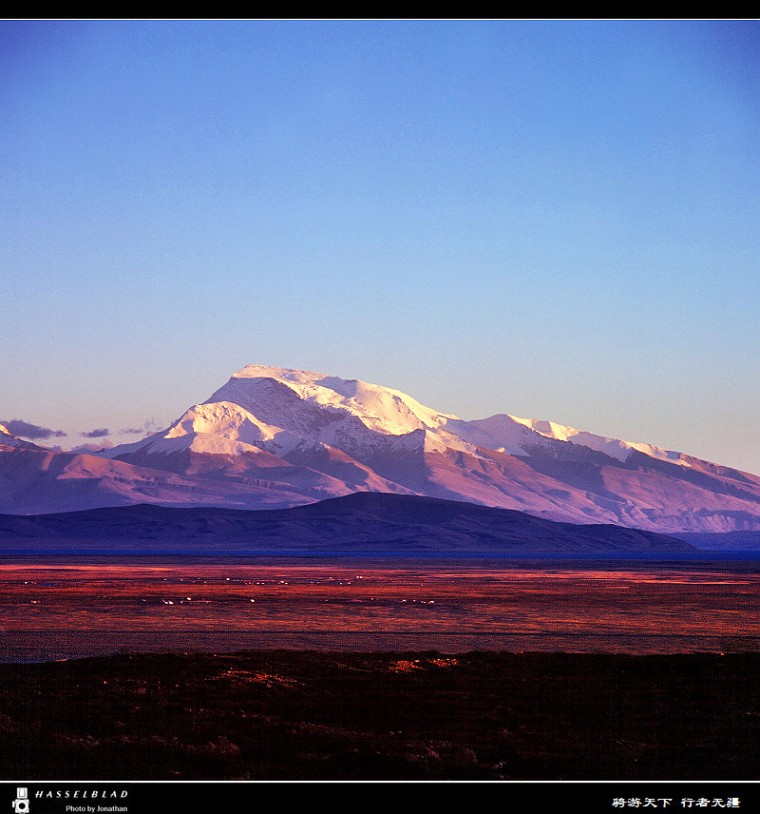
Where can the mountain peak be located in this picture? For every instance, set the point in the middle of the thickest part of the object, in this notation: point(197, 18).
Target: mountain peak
point(255, 371)
point(377, 407)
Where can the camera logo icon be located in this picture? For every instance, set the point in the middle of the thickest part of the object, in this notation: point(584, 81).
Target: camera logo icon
point(21, 803)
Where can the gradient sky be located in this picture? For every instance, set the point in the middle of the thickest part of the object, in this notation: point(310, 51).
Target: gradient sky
point(554, 219)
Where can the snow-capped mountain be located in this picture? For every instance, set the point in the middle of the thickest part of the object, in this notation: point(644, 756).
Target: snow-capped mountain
point(280, 410)
point(274, 437)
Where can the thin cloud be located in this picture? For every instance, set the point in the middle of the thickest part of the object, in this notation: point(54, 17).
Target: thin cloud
point(92, 447)
point(99, 433)
point(148, 428)
point(34, 432)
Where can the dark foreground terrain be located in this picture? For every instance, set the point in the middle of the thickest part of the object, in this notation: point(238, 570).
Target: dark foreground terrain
point(318, 715)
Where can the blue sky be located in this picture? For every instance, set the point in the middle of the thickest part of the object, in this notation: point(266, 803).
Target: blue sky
point(554, 219)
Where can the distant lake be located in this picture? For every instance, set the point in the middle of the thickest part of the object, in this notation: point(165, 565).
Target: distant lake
point(74, 609)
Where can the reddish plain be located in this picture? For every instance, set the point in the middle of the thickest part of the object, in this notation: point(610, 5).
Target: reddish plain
point(60, 611)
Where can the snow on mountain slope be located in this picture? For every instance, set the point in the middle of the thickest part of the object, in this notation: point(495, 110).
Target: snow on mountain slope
point(379, 408)
point(613, 447)
point(279, 410)
point(501, 433)
point(333, 404)
point(219, 428)
point(359, 418)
